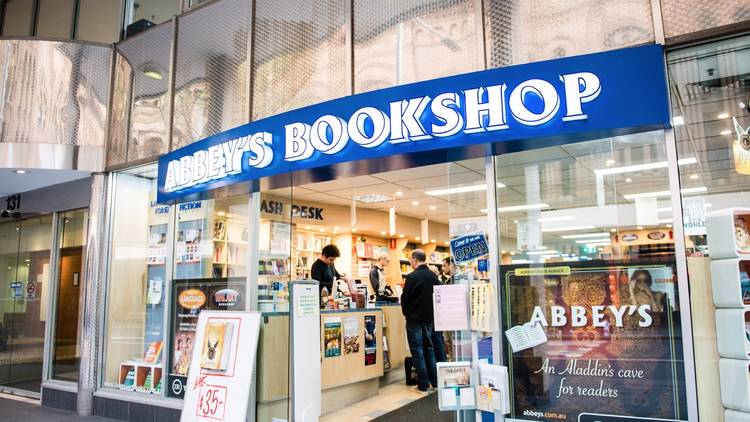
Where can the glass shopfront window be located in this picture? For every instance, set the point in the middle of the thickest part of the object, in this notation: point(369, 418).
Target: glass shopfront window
point(710, 86)
point(588, 279)
point(134, 332)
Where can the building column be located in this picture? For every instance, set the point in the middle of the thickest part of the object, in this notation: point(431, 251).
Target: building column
point(93, 296)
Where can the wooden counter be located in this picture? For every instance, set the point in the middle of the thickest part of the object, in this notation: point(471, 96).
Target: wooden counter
point(345, 378)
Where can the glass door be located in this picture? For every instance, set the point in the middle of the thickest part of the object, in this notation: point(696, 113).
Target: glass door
point(25, 257)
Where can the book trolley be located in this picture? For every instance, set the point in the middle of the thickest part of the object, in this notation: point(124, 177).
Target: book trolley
point(728, 233)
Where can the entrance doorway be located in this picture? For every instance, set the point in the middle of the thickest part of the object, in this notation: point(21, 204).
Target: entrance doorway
point(24, 272)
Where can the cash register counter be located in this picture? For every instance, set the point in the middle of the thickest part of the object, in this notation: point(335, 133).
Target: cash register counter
point(345, 378)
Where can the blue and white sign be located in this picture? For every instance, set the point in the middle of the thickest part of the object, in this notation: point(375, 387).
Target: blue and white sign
point(563, 100)
point(466, 248)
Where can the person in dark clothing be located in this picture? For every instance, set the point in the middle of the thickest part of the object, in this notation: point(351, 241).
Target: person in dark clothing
point(377, 275)
point(323, 269)
point(416, 305)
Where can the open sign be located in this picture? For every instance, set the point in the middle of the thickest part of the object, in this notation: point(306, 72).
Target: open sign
point(466, 248)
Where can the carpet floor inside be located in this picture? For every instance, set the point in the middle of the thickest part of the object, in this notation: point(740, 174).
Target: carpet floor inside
point(422, 410)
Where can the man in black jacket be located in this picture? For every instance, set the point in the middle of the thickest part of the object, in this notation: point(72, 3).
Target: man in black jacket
point(416, 305)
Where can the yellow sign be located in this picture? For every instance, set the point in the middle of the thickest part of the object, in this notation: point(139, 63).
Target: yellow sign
point(526, 272)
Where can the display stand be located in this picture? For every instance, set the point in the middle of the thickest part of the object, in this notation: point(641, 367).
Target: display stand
point(729, 247)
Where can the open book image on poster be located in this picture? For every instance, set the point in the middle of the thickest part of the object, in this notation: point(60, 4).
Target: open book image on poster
point(522, 337)
point(216, 345)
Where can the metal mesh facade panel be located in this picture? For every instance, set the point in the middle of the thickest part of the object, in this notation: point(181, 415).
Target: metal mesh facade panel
point(210, 71)
point(534, 30)
point(406, 41)
point(686, 16)
point(53, 92)
point(118, 116)
point(148, 54)
point(299, 55)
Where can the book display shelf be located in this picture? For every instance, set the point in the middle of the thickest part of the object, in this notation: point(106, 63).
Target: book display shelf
point(728, 233)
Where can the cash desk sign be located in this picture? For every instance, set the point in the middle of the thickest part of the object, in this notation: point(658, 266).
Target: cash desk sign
point(566, 100)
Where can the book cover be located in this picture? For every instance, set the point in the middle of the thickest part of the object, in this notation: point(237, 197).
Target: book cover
point(351, 336)
point(332, 337)
point(745, 287)
point(153, 353)
point(741, 235)
point(216, 345)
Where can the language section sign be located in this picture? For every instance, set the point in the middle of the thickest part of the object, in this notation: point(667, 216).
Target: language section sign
point(221, 367)
point(593, 343)
point(469, 247)
point(569, 99)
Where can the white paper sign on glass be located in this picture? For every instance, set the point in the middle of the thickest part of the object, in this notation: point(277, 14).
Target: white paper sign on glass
point(450, 305)
point(219, 383)
point(694, 215)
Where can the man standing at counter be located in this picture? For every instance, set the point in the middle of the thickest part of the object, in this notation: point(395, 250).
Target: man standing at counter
point(323, 269)
point(416, 305)
point(377, 275)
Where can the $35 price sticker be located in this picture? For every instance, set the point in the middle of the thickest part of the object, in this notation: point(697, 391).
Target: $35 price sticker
point(212, 401)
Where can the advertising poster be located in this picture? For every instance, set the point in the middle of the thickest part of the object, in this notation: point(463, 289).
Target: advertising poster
point(189, 298)
point(332, 337)
point(593, 339)
point(371, 343)
point(450, 306)
point(351, 336)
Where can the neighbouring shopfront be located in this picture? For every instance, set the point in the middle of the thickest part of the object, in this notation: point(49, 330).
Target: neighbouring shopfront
point(561, 166)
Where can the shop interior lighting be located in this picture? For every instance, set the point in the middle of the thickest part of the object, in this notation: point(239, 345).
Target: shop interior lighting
point(678, 121)
point(693, 176)
point(669, 209)
point(542, 252)
point(610, 162)
point(460, 189)
point(415, 203)
point(613, 230)
point(433, 208)
point(354, 229)
point(723, 116)
point(21, 171)
point(382, 233)
point(595, 244)
point(567, 229)
point(417, 238)
point(560, 218)
point(523, 207)
point(664, 220)
point(399, 193)
point(628, 180)
point(584, 235)
point(631, 196)
point(643, 167)
point(725, 132)
point(372, 198)
point(221, 213)
point(153, 74)
point(587, 241)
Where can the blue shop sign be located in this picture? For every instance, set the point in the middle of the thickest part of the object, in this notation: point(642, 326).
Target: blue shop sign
point(469, 247)
point(564, 100)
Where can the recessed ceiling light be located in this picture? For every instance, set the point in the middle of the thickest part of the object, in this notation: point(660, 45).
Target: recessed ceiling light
point(512, 253)
point(382, 233)
point(628, 180)
point(415, 203)
point(664, 193)
point(417, 238)
point(669, 225)
point(560, 218)
point(584, 235)
point(567, 229)
point(21, 171)
point(432, 240)
point(678, 120)
point(523, 207)
point(542, 252)
point(322, 230)
point(399, 193)
point(221, 213)
point(742, 104)
point(693, 176)
point(401, 236)
point(613, 230)
point(643, 167)
point(640, 227)
point(354, 229)
point(725, 132)
point(433, 208)
point(610, 162)
point(723, 116)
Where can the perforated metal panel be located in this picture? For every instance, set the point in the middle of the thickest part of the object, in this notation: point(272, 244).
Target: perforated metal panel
point(118, 116)
point(300, 54)
point(210, 72)
point(148, 54)
point(533, 30)
point(404, 41)
point(686, 16)
point(53, 92)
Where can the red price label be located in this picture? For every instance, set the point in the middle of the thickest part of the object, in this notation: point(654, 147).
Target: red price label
point(212, 400)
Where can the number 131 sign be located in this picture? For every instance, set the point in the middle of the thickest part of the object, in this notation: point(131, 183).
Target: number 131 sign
point(219, 377)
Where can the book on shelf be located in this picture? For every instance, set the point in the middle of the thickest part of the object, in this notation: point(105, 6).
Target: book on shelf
point(153, 353)
point(741, 235)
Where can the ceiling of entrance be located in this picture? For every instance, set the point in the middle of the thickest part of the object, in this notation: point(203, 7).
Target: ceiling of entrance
point(11, 182)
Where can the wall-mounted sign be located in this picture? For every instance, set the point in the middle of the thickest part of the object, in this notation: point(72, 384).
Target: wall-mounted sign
point(569, 99)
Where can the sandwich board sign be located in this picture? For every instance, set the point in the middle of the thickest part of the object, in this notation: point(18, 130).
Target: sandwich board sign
point(221, 368)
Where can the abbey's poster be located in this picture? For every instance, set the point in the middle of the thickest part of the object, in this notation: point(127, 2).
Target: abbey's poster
point(595, 339)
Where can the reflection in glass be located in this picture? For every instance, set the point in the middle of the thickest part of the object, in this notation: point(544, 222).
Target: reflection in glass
point(72, 228)
point(588, 279)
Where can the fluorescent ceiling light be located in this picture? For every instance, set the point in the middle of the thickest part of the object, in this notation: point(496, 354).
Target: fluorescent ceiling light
point(500, 185)
point(153, 74)
point(725, 132)
point(567, 229)
point(544, 252)
point(584, 235)
point(460, 189)
point(593, 240)
point(594, 244)
point(523, 207)
point(678, 120)
point(373, 198)
point(643, 167)
point(520, 261)
point(664, 220)
point(723, 116)
point(560, 218)
point(664, 193)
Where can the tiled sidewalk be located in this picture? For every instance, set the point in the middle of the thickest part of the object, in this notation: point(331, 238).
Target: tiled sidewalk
point(23, 410)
